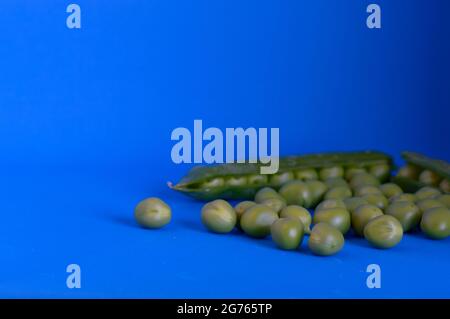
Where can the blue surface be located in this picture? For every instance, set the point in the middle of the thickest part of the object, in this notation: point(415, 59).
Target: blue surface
point(86, 117)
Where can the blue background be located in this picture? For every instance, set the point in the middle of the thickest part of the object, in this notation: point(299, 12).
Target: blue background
point(86, 117)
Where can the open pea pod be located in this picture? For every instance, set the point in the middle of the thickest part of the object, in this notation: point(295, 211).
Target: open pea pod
point(243, 180)
point(423, 171)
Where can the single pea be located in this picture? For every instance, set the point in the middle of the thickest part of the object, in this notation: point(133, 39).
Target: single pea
point(325, 240)
point(362, 179)
point(362, 215)
point(444, 185)
point(299, 212)
point(257, 179)
point(427, 192)
point(297, 193)
point(318, 190)
point(215, 182)
point(366, 190)
point(280, 179)
point(256, 220)
point(429, 178)
point(409, 171)
point(265, 193)
point(330, 203)
point(241, 207)
point(352, 171)
point(403, 197)
point(336, 217)
point(390, 190)
point(276, 203)
point(444, 199)
point(406, 212)
point(436, 223)
point(306, 174)
point(236, 181)
point(377, 199)
point(219, 216)
point(152, 213)
point(335, 182)
point(384, 231)
point(354, 202)
point(338, 192)
point(428, 203)
point(287, 233)
point(380, 171)
point(328, 172)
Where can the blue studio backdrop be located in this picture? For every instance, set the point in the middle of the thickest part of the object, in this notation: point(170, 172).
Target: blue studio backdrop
point(86, 116)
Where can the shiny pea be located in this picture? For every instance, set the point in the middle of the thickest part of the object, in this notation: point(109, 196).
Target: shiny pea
point(318, 190)
point(436, 223)
point(266, 193)
point(390, 190)
point(403, 197)
point(427, 192)
point(336, 217)
point(328, 172)
point(330, 203)
point(338, 192)
point(352, 171)
point(299, 212)
point(383, 231)
point(281, 178)
point(297, 193)
point(428, 203)
point(366, 190)
point(306, 174)
point(380, 171)
point(152, 213)
point(363, 179)
point(335, 182)
point(409, 171)
point(219, 216)
point(241, 207)
point(429, 178)
point(287, 233)
point(444, 186)
point(325, 240)
point(444, 199)
point(406, 212)
point(236, 181)
point(257, 179)
point(257, 220)
point(276, 203)
point(214, 182)
point(362, 215)
point(354, 202)
point(377, 199)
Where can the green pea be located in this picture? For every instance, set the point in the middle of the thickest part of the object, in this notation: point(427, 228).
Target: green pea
point(436, 223)
point(219, 216)
point(403, 197)
point(325, 240)
point(367, 190)
point(336, 217)
point(377, 199)
point(328, 172)
point(384, 231)
point(265, 193)
point(354, 202)
point(241, 207)
point(339, 192)
point(390, 190)
point(444, 199)
point(280, 179)
point(352, 171)
point(444, 185)
point(306, 174)
point(318, 190)
point(380, 171)
point(335, 182)
point(276, 203)
point(409, 171)
point(256, 220)
point(257, 179)
point(427, 192)
point(330, 203)
point(428, 203)
point(215, 182)
point(363, 179)
point(297, 193)
point(152, 213)
point(407, 213)
point(287, 233)
point(236, 181)
point(299, 212)
point(429, 178)
point(362, 215)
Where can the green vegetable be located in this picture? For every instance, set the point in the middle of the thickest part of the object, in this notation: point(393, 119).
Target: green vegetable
point(335, 182)
point(427, 192)
point(287, 233)
point(367, 190)
point(362, 215)
point(325, 240)
point(152, 213)
point(444, 199)
point(331, 172)
point(306, 174)
point(338, 192)
point(428, 203)
point(384, 231)
point(436, 223)
point(406, 212)
point(390, 190)
point(330, 203)
point(279, 179)
point(403, 197)
point(257, 220)
point(277, 204)
point(241, 207)
point(353, 203)
point(318, 190)
point(377, 199)
point(300, 213)
point(336, 217)
point(381, 171)
point(266, 193)
point(297, 193)
point(363, 179)
point(219, 216)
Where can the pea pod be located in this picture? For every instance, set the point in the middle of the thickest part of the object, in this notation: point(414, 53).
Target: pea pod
point(427, 172)
point(214, 181)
